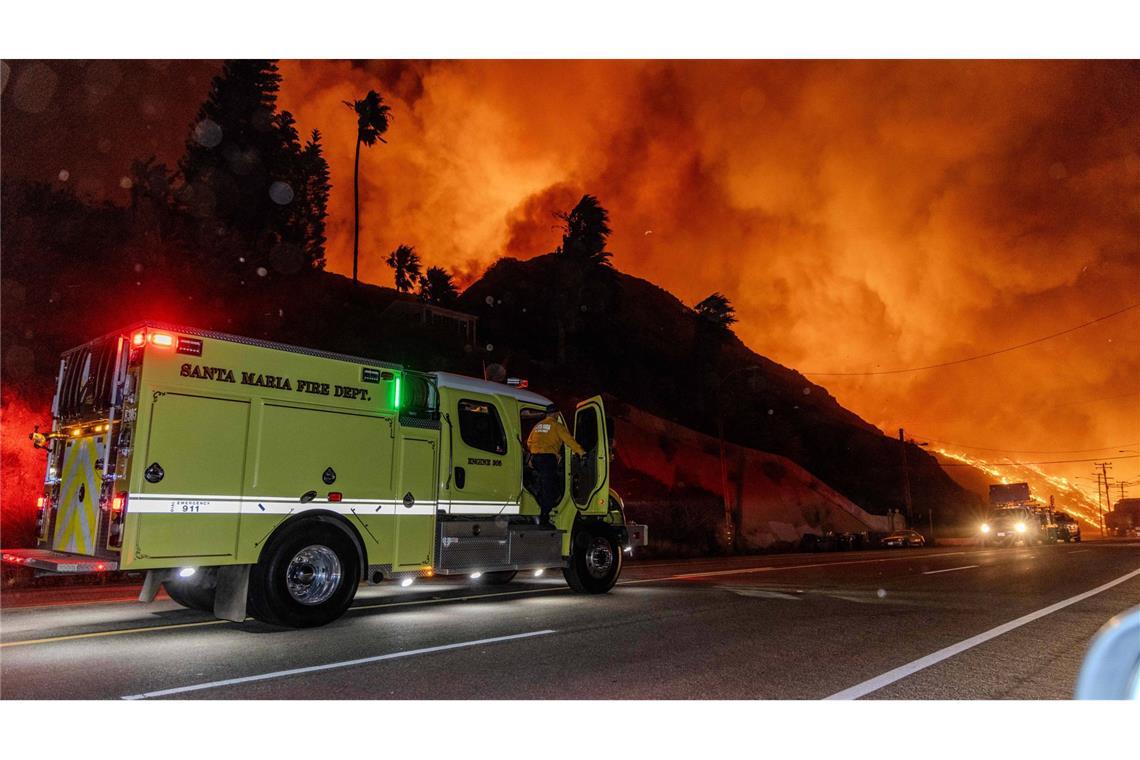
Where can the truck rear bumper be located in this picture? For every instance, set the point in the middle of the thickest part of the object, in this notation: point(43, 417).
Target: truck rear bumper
point(57, 562)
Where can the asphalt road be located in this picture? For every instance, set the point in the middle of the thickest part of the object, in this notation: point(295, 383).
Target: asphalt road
point(848, 625)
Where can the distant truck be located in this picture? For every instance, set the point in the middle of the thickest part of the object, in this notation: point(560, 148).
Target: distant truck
point(248, 476)
point(1124, 519)
point(1069, 528)
point(1015, 518)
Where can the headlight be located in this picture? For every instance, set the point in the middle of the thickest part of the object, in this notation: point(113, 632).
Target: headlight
point(1021, 527)
point(985, 528)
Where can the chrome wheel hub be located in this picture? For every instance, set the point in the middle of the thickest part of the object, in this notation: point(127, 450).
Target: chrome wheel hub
point(599, 558)
point(313, 575)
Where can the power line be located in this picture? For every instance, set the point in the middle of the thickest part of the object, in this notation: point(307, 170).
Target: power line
point(1015, 464)
point(1024, 451)
point(1134, 396)
point(978, 356)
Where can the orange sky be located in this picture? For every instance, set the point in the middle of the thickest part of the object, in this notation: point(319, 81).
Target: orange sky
point(859, 215)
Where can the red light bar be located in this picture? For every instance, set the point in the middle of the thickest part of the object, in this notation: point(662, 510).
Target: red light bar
point(117, 503)
point(166, 340)
point(335, 496)
point(40, 503)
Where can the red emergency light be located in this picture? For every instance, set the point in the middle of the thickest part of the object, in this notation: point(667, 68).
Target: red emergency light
point(160, 339)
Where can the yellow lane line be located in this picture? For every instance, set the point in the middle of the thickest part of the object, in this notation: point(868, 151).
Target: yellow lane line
point(118, 632)
point(457, 598)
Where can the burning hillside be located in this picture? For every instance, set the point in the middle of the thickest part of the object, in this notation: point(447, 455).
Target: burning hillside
point(1077, 499)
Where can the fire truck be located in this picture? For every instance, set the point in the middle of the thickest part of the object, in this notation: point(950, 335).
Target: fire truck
point(1016, 518)
point(255, 478)
point(1124, 519)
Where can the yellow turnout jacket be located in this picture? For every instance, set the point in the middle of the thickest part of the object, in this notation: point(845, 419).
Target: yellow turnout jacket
point(548, 436)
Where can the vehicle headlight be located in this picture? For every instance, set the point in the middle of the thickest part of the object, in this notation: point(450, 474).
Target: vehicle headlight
point(1020, 527)
point(985, 528)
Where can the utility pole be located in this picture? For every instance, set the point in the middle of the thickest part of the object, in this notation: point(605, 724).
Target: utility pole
point(1107, 495)
point(729, 513)
point(728, 519)
point(906, 481)
point(1102, 475)
point(1104, 471)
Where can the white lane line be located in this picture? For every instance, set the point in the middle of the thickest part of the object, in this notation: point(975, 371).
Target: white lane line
point(948, 570)
point(333, 665)
point(878, 682)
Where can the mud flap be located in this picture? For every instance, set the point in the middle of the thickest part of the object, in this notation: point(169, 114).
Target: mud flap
point(230, 596)
point(152, 584)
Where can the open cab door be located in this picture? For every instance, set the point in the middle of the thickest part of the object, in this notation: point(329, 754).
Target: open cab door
point(590, 474)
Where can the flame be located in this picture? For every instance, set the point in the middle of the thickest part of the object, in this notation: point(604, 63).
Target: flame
point(1078, 500)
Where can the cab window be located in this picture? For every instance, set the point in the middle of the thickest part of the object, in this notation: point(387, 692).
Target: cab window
point(586, 430)
point(480, 426)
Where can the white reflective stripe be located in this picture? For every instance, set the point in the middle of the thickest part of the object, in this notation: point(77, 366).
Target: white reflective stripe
point(259, 498)
point(476, 503)
point(228, 505)
point(499, 508)
point(184, 507)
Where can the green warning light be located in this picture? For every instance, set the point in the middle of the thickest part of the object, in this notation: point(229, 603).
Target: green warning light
point(396, 394)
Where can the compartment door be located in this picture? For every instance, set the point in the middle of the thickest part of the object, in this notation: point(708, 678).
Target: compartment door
point(590, 474)
point(194, 466)
point(416, 502)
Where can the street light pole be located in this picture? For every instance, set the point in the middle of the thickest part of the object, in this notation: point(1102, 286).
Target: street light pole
point(906, 481)
point(729, 522)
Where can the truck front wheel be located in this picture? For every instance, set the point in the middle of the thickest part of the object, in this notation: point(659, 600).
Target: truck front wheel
point(307, 576)
point(595, 561)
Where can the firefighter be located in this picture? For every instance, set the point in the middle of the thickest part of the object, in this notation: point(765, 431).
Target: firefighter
point(545, 446)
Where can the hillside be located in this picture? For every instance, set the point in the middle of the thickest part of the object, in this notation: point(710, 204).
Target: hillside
point(670, 479)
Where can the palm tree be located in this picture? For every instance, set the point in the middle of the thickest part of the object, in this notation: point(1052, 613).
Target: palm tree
point(716, 310)
point(437, 287)
point(583, 264)
point(406, 264)
point(585, 229)
point(372, 117)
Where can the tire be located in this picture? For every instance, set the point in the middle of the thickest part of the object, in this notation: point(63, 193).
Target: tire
point(306, 577)
point(498, 578)
point(195, 592)
point(595, 561)
point(1078, 538)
